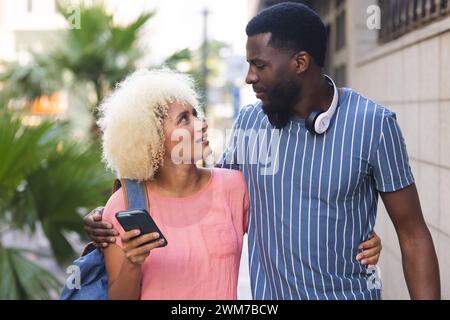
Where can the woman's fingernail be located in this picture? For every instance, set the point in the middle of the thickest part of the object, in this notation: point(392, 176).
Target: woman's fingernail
point(358, 257)
point(112, 239)
point(137, 232)
point(161, 241)
point(156, 235)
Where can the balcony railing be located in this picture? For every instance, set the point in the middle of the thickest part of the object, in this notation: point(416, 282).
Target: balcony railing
point(402, 16)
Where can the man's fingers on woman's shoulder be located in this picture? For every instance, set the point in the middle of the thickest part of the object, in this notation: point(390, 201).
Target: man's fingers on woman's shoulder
point(97, 211)
point(104, 232)
point(100, 240)
point(98, 224)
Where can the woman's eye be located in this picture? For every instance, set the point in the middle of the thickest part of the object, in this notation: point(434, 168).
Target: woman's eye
point(184, 119)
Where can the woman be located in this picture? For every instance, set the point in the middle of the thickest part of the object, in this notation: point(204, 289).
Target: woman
point(152, 133)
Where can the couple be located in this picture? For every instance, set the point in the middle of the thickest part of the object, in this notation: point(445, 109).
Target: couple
point(305, 221)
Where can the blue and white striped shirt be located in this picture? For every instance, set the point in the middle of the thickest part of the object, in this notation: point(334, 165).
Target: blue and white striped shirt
point(313, 199)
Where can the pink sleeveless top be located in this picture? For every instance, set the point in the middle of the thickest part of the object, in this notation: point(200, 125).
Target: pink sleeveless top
point(204, 232)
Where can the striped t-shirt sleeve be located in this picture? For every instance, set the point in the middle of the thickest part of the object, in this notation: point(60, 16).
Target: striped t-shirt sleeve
point(390, 163)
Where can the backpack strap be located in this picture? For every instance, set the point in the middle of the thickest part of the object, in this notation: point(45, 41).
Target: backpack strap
point(135, 194)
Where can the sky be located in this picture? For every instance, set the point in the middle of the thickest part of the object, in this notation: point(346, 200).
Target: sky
point(179, 23)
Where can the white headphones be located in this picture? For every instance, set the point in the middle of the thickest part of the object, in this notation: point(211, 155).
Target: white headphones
point(319, 121)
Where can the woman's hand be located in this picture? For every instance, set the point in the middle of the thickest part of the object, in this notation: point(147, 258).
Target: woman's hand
point(135, 252)
point(371, 250)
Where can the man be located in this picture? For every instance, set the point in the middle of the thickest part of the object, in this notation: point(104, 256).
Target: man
point(317, 200)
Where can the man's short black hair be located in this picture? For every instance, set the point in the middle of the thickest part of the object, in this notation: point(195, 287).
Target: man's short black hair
point(293, 26)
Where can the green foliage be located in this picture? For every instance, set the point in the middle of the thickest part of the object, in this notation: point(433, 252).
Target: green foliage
point(44, 181)
point(99, 53)
point(23, 279)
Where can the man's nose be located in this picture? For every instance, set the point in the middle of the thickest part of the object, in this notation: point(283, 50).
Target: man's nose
point(251, 77)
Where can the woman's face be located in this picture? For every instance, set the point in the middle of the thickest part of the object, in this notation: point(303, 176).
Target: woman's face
point(185, 135)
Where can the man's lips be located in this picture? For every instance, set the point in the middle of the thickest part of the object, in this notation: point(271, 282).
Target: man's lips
point(259, 93)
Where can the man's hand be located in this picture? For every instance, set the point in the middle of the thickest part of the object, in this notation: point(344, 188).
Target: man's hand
point(101, 233)
point(371, 250)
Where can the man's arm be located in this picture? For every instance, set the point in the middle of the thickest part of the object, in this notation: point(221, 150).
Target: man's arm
point(420, 264)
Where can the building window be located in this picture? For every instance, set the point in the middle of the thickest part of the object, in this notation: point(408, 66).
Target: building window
point(399, 17)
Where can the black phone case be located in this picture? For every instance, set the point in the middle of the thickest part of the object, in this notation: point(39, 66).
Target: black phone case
point(139, 219)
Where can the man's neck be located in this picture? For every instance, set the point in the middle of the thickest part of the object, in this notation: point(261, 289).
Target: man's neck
point(316, 94)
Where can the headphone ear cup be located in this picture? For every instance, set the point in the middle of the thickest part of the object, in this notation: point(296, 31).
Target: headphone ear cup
point(311, 121)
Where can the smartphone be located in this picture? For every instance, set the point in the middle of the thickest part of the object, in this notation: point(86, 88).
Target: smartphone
point(141, 220)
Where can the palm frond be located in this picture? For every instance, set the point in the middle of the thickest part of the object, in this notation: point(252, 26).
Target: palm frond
point(23, 279)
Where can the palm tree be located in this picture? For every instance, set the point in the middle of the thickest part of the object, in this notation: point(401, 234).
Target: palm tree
point(92, 58)
point(99, 53)
point(28, 82)
point(44, 182)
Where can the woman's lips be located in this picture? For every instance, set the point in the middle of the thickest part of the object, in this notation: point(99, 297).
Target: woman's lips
point(204, 140)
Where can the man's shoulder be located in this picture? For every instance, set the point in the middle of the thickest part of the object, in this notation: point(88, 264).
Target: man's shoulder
point(364, 106)
point(250, 114)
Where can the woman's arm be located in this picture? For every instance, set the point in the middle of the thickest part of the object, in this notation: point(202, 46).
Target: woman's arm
point(124, 265)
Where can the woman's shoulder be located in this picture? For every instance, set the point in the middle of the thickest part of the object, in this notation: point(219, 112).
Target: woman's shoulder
point(114, 204)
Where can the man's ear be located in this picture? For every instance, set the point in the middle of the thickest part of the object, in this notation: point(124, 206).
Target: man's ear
point(302, 62)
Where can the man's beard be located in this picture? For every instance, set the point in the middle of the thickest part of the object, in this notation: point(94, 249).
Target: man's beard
point(281, 101)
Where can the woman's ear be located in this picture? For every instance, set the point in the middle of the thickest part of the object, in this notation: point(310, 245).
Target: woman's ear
point(302, 62)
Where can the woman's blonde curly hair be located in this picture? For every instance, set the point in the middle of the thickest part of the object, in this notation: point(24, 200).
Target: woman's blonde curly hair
point(132, 117)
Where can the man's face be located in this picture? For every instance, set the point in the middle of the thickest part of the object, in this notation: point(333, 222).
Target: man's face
point(272, 76)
